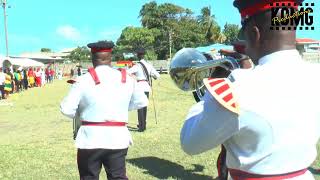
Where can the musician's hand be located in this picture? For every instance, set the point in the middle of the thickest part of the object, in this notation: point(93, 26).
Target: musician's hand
point(233, 54)
point(244, 60)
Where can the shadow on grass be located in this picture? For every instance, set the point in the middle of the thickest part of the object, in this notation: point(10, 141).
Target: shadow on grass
point(163, 169)
point(314, 171)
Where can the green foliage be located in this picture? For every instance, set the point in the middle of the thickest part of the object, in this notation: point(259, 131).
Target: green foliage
point(150, 17)
point(136, 37)
point(133, 38)
point(80, 54)
point(231, 32)
point(45, 50)
point(181, 25)
point(209, 25)
point(150, 55)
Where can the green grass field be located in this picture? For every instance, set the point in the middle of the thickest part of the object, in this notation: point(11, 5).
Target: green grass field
point(36, 140)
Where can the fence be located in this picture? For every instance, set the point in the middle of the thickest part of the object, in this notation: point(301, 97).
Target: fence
point(161, 66)
point(311, 56)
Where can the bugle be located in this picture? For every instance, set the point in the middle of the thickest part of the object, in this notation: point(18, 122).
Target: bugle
point(189, 67)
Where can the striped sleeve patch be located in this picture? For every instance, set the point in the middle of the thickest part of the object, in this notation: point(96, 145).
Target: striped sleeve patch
point(221, 90)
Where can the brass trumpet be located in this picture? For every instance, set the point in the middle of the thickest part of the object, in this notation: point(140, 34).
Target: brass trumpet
point(189, 67)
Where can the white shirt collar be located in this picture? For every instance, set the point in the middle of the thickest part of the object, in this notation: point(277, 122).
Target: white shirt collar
point(285, 55)
point(103, 66)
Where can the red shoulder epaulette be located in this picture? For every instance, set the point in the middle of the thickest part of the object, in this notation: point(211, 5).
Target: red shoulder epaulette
point(123, 75)
point(221, 90)
point(94, 75)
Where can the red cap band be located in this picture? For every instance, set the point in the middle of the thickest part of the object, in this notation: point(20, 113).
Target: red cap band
point(96, 50)
point(263, 6)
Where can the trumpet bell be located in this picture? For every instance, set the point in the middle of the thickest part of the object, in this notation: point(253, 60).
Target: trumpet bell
point(183, 66)
point(189, 67)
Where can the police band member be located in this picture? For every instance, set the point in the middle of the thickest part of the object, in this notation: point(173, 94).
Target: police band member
point(266, 117)
point(103, 97)
point(144, 73)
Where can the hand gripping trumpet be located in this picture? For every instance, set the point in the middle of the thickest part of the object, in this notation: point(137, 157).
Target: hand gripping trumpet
point(189, 67)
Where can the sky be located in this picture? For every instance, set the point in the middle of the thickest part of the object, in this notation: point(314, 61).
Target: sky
point(60, 24)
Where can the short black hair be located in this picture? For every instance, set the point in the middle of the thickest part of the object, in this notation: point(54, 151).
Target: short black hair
point(101, 45)
point(140, 51)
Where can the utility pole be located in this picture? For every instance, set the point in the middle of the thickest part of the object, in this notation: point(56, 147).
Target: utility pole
point(4, 4)
point(170, 43)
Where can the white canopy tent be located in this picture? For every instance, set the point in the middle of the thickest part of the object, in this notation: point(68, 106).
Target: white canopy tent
point(20, 62)
point(25, 62)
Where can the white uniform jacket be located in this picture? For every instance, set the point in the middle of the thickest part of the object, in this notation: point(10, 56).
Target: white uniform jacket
point(137, 70)
point(108, 101)
point(277, 124)
point(2, 78)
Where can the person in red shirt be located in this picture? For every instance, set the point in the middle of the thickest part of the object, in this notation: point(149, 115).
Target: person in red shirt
point(47, 73)
point(51, 75)
point(38, 78)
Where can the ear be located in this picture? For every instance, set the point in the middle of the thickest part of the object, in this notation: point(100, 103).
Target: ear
point(256, 36)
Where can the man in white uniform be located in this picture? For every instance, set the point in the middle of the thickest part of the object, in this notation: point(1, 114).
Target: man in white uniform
point(102, 98)
point(266, 117)
point(144, 73)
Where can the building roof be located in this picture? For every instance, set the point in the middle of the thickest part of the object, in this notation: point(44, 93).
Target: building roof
point(306, 41)
point(45, 55)
point(67, 50)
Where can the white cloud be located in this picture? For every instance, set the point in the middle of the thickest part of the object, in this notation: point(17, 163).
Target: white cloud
point(69, 32)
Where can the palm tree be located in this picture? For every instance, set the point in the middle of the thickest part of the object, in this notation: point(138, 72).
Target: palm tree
point(149, 14)
point(211, 27)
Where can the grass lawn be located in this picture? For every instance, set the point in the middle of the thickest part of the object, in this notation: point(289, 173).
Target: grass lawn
point(36, 140)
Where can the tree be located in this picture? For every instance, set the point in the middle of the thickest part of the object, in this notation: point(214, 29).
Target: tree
point(45, 50)
point(80, 54)
point(149, 15)
point(133, 38)
point(210, 26)
point(137, 37)
point(171, 21)
point(178, 27)
point(231, 32)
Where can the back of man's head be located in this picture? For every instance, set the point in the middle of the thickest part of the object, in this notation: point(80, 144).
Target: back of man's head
point(101, 52)
point(140, 53)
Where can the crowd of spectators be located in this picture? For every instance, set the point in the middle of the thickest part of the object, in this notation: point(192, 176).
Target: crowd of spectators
point(19, 79)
